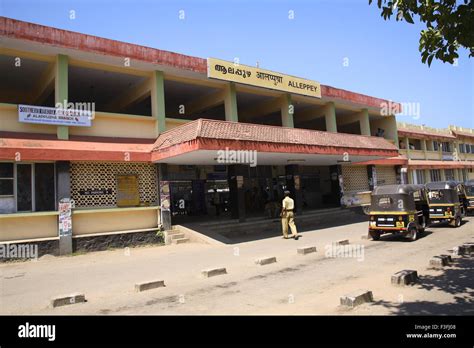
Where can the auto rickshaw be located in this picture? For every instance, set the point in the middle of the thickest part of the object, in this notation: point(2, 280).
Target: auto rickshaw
point(447, 202)
point(469, 186)
point(398, 209)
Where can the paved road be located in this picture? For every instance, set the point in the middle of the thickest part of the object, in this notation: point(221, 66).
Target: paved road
point(310, 284)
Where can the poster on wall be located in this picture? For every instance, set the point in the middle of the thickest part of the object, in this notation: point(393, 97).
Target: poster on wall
point(65, 220)
point(165, 199)
point(127, 191)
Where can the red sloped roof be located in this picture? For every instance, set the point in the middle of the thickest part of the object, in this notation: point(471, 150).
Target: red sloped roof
point(424, 133)
point(426, 164)
point(462, 134)
point(78, 148)
point(214, 134)
point(214, 129)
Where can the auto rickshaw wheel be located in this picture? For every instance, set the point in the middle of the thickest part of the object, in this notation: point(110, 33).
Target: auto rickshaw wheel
point(412, 233)
point(375, 235)
point(457, 222)
point(422, 225)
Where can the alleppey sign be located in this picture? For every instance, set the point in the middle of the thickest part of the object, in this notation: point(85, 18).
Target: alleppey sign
point(229, 71)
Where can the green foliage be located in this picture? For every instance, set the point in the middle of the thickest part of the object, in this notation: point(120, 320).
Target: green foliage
point(449, 25)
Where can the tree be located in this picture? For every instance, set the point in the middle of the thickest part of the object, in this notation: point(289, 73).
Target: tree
point(449, 25)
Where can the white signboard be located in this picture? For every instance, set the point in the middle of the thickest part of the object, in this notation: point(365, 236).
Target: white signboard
point(56, 116)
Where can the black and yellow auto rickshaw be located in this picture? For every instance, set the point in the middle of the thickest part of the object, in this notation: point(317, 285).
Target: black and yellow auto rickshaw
point(447, 202)
point(469, 186)
point(398, 209)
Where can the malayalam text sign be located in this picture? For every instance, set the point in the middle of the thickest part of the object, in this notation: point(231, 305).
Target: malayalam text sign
point(228, 71)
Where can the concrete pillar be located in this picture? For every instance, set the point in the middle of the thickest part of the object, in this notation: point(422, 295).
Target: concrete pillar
point(236, 176)
point(165, 214)
point(456, 174)
point(61, 93)
point(337, 188)
point(423, 147)
point(407, 146)
point(287, 112)
point(427, 176)
point(364, 122)
point(158, 110)
point(330, 117)
point(230, 103)
point(293, 184)
point(63, 191)
point(372, 175)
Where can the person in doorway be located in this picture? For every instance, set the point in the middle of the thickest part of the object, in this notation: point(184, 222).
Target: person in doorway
point(288, 217)
point(216, 200)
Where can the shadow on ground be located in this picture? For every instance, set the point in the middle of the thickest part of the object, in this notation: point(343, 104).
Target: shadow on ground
point(457, 280)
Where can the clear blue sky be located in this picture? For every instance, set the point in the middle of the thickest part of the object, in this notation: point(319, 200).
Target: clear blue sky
point(383, 55)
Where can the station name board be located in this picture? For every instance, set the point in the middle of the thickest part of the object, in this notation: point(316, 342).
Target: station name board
point(55, 116)
point(228, 71)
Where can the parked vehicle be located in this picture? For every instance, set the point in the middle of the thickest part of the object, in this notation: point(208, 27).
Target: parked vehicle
point(469, 186)
point(447, 202)
point(399, 209)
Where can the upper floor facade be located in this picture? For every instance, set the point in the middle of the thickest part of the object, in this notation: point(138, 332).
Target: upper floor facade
point(138, 92)
point(418, 142)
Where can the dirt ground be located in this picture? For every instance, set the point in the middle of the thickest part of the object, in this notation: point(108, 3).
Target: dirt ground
point(295, 284)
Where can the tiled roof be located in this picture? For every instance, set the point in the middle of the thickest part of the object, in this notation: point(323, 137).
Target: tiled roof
point(224, 130)
point(425, 133)
point(463, 134)
point(440, 164)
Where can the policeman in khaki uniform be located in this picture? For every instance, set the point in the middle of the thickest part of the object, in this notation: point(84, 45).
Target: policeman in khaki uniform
point(287, 216)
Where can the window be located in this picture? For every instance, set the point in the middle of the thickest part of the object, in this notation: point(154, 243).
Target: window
point(462, 148)
point(449, 174)
point(385, 202)
point(419, 176)
point(27, 187)
point(435, 175)
point(446, 147)
point(435, 146)
point(6, 179)
point(472, 148)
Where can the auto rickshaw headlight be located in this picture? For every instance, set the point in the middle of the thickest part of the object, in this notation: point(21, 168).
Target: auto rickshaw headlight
point(372, 217)
point(400, 218)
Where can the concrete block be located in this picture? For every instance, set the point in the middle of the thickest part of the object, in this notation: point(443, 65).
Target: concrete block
point(342, 242)
point(447, 257)
point(139, 287)
point(438, 262)
point(211, 272)
point(405, 277)
point(65, 300)
point(180, 240)
point(356, 298)
point(306, 250)
point(265, 260)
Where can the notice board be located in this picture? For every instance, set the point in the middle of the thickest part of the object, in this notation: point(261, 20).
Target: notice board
point(127, 191)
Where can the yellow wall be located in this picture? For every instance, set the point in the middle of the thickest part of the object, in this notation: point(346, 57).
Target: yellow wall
point(28, 226)
point(113, 220)
point(118, 125)
point(9, 122)
point(104, 124)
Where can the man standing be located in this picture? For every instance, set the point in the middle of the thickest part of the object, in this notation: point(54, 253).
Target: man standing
point(288, 217)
